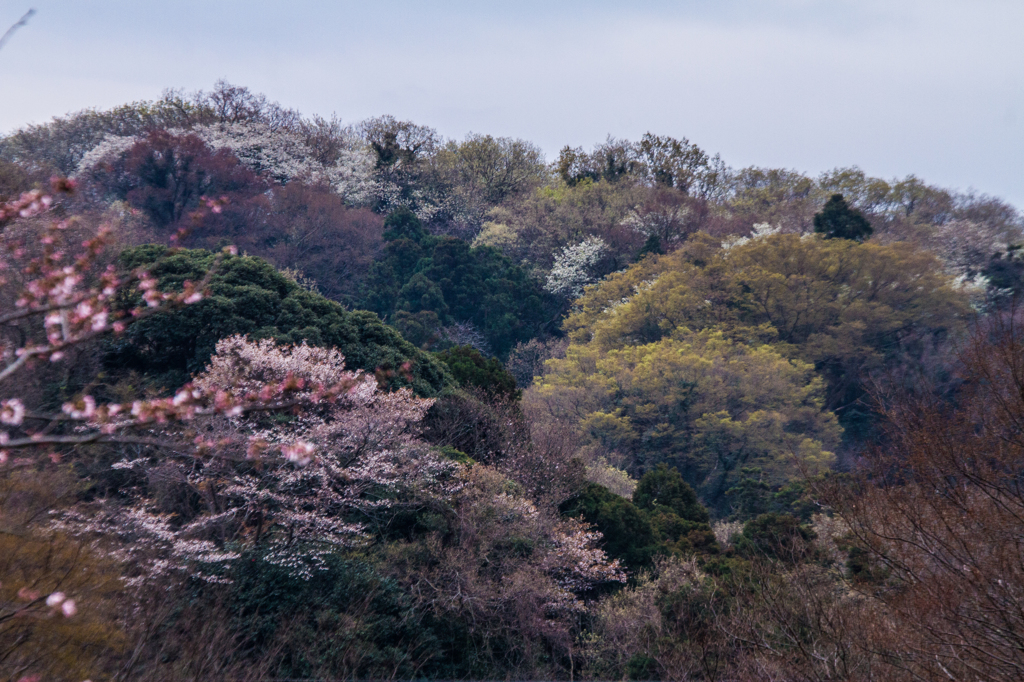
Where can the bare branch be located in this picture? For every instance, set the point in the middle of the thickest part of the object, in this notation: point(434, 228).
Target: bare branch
point(11, 31)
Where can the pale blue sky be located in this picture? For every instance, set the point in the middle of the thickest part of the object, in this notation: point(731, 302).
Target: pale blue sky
point(930, 87)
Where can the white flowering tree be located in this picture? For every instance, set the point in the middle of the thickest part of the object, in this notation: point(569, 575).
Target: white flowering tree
point(298, 483)
point(758, 231)
point(279, 153)
point(284, 155)
point(573, 268)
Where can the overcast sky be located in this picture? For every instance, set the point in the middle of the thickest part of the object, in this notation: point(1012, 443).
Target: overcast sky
point(933, 88)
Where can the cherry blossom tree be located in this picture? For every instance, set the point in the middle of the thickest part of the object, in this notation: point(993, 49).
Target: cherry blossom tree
point(297, 483)
point(63, 300)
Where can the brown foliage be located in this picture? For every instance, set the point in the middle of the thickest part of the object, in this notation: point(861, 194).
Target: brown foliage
point(540, 456)
point(940, 514)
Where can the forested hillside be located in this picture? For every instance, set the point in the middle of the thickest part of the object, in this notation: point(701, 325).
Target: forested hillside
point(296, 398)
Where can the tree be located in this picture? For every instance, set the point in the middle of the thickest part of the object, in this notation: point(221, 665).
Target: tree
point(471, 369)
point(13, 180)
point(664, 487)
point(421, 283)
point(507, 577)
point(303, 229)
point(666, 217)
point(706, 405)
point(526, 360)
point(626, 530)
point(574, 266)
point(167, 177)
point(248, 296)
point(669, 162)
point(775, 196)
point(774, 535)
point(341, 462)
point(305, 152)
point(848, 308)
point(613, 160)
point(936, 512)
point(490, 170)
point(838, 221)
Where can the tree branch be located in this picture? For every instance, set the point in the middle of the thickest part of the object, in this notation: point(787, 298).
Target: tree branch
point(11, 31)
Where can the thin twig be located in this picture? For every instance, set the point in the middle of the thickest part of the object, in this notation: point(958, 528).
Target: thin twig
point(21, 22)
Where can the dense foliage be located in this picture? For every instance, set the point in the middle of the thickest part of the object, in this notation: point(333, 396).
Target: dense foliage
point(472, 369)
point(664, 518)
point(429, 286)
point(247, 296)
point(633, 414)
point(845, 307)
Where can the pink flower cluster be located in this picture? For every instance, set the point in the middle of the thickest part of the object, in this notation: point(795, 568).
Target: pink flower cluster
point(27, 205)
point(59, 288)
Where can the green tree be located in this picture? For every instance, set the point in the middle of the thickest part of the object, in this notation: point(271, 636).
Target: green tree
point(838, 221)
point(422, 281)
point(665, 517)
point(472, 369)
point(628, 534)
point(698, 401)
point(848, 308)
point(665, 487)
point(248, 296)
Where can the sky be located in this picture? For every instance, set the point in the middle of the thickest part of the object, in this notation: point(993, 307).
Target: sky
point(933, 88)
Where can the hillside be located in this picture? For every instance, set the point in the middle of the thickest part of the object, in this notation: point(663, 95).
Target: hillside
point(287, 398)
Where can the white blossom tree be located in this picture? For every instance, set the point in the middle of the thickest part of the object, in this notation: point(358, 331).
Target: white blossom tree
point(297, 484)
point(284, 155)
point(573, 268)
point(279, 153)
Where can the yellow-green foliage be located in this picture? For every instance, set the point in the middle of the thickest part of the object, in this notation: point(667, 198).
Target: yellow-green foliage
point(848, 308)
point(707, 357)
point(704, 402)
point(827, 297)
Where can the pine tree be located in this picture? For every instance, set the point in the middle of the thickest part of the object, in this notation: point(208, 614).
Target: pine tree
point(838, 221)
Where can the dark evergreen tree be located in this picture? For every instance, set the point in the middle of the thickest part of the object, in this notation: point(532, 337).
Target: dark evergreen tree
point(838, 221)
point(470, 367)
point(628, 535)
point(422, 283)
point(248, 296)
point(1005, 272)
point(652, 245)
point(664, 487)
